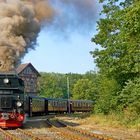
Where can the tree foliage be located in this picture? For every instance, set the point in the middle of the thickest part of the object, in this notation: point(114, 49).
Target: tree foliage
point(118, 59)
point(130, 95)
point(118, 35)
point(83, 89)
point(52, 85)
point(82, 86)
point(107, 99)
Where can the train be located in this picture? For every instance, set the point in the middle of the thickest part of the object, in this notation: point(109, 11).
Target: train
point(15, 104)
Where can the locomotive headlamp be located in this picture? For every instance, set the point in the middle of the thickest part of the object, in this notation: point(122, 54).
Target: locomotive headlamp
point(19, 104)
point(6, 80)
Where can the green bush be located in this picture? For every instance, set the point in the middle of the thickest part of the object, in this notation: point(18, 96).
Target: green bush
point(130, 96)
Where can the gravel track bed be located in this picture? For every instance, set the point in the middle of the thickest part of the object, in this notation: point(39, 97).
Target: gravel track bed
point(19, 135)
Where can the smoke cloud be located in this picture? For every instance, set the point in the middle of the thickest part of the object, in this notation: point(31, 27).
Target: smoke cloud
point(21, 21)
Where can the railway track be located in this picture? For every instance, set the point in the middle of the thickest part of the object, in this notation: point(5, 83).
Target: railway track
point(75, 133)
point(20, 134)
point(56, 130)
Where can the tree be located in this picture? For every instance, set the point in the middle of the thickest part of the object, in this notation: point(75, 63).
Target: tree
point(83, 89)
point(108, 98)
point(118, 36)
point(130, 96)
point(118, 59)
point(52, 85)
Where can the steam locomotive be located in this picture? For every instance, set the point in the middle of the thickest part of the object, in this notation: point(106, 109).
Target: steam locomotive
point(11, 100)
point(15, 104)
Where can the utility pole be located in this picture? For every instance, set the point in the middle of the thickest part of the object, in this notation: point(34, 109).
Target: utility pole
point(68, 93)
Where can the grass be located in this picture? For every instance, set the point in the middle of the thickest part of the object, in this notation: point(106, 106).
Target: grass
point(116, 120)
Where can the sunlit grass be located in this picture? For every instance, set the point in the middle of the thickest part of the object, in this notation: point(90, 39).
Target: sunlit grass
point(114, 120)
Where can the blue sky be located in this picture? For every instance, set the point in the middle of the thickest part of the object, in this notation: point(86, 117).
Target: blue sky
point(62, 55)
point(57, 53)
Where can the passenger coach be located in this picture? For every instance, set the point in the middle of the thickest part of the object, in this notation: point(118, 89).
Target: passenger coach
point(42, 106)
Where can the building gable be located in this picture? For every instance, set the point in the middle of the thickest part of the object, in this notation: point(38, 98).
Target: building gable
point(27, 69)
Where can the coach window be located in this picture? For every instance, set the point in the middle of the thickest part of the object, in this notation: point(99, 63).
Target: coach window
point(48, 103)
point(77, 104)
point(59, 104)
point(81, 103)
point(74, 104)
point(65, 104)
point(52, 103)
point(55, 103)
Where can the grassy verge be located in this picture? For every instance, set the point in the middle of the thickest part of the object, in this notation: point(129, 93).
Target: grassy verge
point(117, 120)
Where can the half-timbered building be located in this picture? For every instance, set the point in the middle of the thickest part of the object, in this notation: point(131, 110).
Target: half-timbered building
point(29, 75)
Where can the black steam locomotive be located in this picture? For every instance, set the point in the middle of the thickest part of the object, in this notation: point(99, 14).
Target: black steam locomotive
point(11, 100)
point(15, 104)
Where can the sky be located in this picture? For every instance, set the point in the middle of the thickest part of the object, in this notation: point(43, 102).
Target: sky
point(65, 51)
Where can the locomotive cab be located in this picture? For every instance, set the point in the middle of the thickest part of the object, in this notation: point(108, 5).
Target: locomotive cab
point(11, 100)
